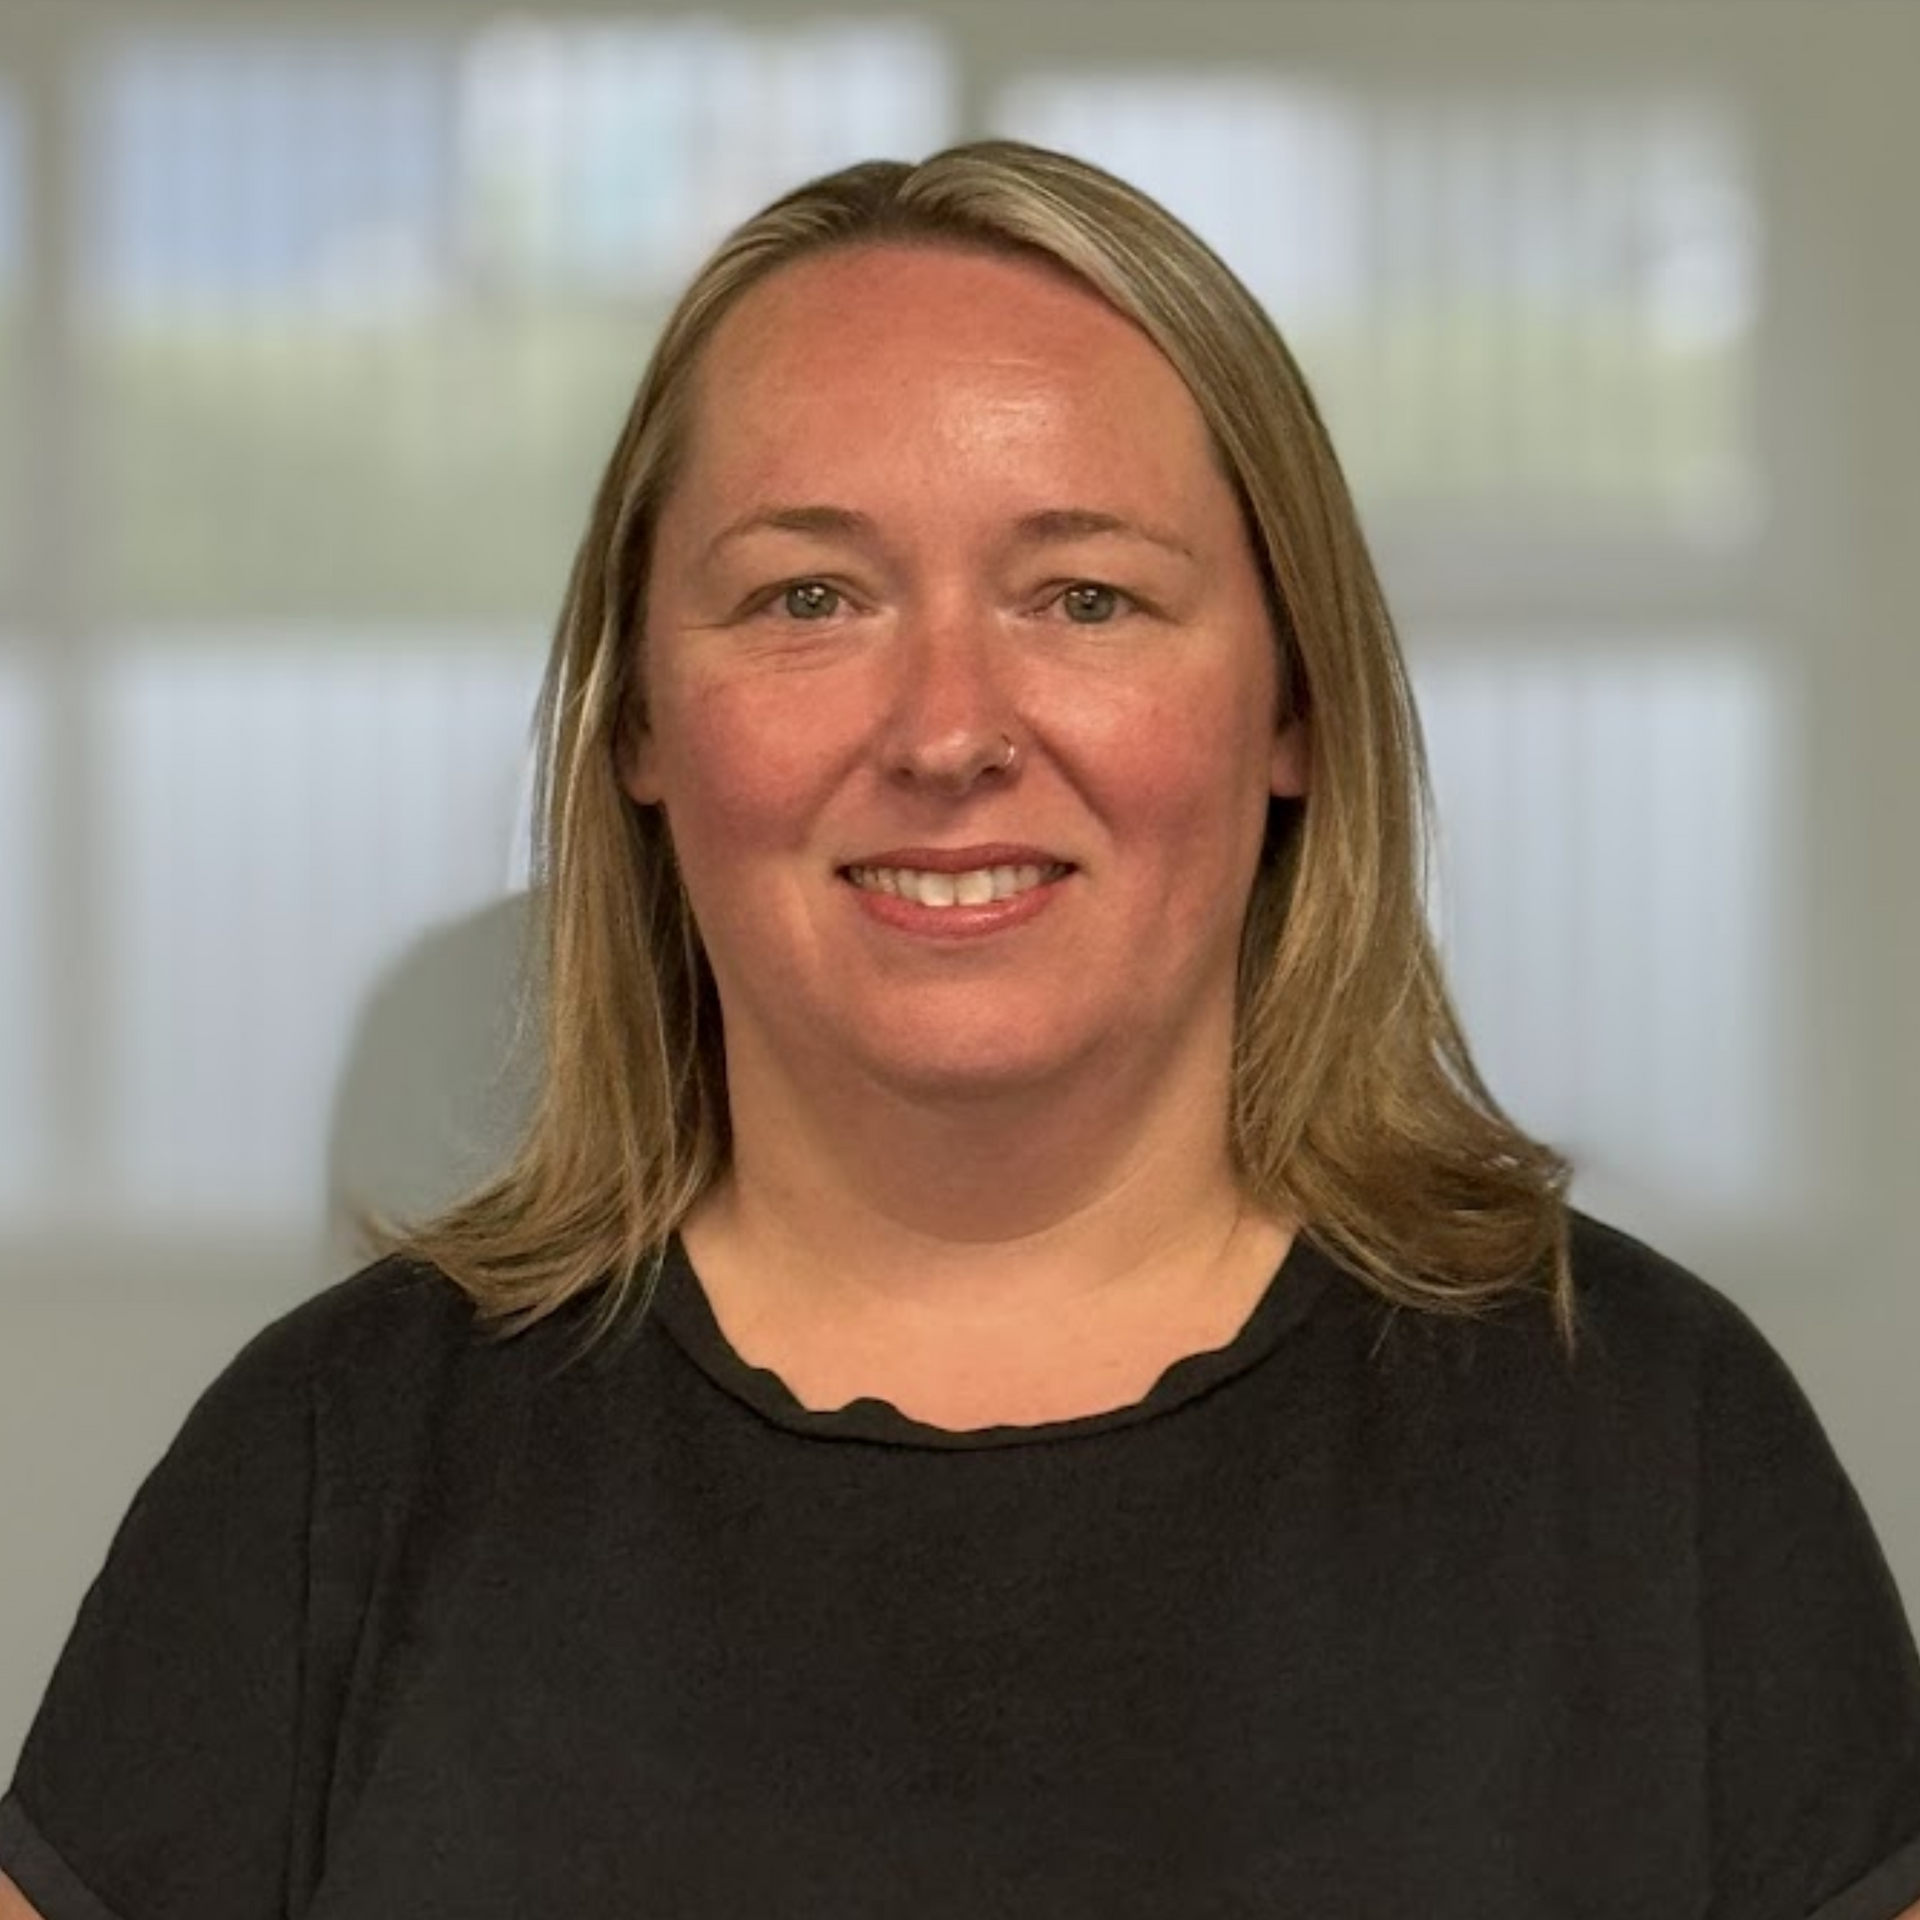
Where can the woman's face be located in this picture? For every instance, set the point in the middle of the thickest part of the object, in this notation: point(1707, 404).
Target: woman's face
point(960, 686)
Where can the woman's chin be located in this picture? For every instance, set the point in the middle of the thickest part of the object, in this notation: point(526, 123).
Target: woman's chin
point(962, 1069)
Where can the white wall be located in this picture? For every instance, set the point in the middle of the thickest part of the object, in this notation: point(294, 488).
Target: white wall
point(1611, 305)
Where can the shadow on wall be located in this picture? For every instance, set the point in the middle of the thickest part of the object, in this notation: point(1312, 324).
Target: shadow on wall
point(439, 1077)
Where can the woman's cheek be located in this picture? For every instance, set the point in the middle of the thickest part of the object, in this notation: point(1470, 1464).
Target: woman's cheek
point(756, 749)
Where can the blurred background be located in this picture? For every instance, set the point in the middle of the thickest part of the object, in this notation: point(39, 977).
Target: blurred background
point(316, 323)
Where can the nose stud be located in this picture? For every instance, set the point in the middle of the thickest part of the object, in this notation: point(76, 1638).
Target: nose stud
point(958, 759)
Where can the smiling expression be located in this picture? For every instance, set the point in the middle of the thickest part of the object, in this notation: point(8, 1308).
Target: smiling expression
point(960, 686)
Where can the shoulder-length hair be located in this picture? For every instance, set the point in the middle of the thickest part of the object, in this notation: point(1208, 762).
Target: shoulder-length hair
point(1356, 1108)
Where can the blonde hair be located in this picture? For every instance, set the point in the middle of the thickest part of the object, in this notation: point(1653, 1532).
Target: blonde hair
point(1356, 1107)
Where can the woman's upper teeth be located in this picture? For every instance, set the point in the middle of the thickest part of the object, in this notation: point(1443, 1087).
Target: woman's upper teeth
point(973, 888)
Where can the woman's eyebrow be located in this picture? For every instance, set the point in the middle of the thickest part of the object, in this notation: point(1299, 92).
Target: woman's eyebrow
point(1052, 524)
point(822, 521)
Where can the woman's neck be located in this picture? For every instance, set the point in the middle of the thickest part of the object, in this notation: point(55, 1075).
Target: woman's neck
point(1001, 1246)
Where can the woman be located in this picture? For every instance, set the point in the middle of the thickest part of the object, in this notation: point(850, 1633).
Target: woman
point(1018, 1369)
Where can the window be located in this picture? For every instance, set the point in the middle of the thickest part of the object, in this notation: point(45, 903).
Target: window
point(371, 305)
point(1528, 316)
point(361, 307)
point(1616, 817)
point(282, 812)
point(1516, 304)
point(354, 306)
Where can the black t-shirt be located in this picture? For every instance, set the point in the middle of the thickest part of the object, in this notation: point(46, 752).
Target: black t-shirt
point(1368, 1613)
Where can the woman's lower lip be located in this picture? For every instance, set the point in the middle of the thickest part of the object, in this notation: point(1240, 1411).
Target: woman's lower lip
point(957, 922)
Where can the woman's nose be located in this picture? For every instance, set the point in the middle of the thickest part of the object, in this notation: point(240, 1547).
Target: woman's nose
point(952, 725)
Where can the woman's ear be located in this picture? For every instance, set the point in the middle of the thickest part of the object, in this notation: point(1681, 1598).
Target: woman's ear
point(635, 755)
point(1292, 756)
point(638, 762)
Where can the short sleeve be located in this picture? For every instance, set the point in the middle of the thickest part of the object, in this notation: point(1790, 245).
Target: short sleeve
point(157, 1780)
point(1813, 1684)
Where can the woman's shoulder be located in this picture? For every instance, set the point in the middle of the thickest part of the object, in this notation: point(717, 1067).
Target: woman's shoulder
point(1626, 1289)
point(353, 1383)
point(1670, 1379)
point(394, 1309)
point(1662, 1362)
point(1642, 1313)
point(362, 1336)
point(1631, 1305)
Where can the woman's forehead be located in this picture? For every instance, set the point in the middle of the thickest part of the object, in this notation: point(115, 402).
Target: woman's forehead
point(850, 275)
point(896, 363)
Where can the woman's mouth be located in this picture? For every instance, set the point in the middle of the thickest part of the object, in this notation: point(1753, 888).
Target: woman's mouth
point(971, 887)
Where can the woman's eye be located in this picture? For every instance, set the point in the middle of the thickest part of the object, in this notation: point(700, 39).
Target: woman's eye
point(810, 600)
point(1087, 603)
